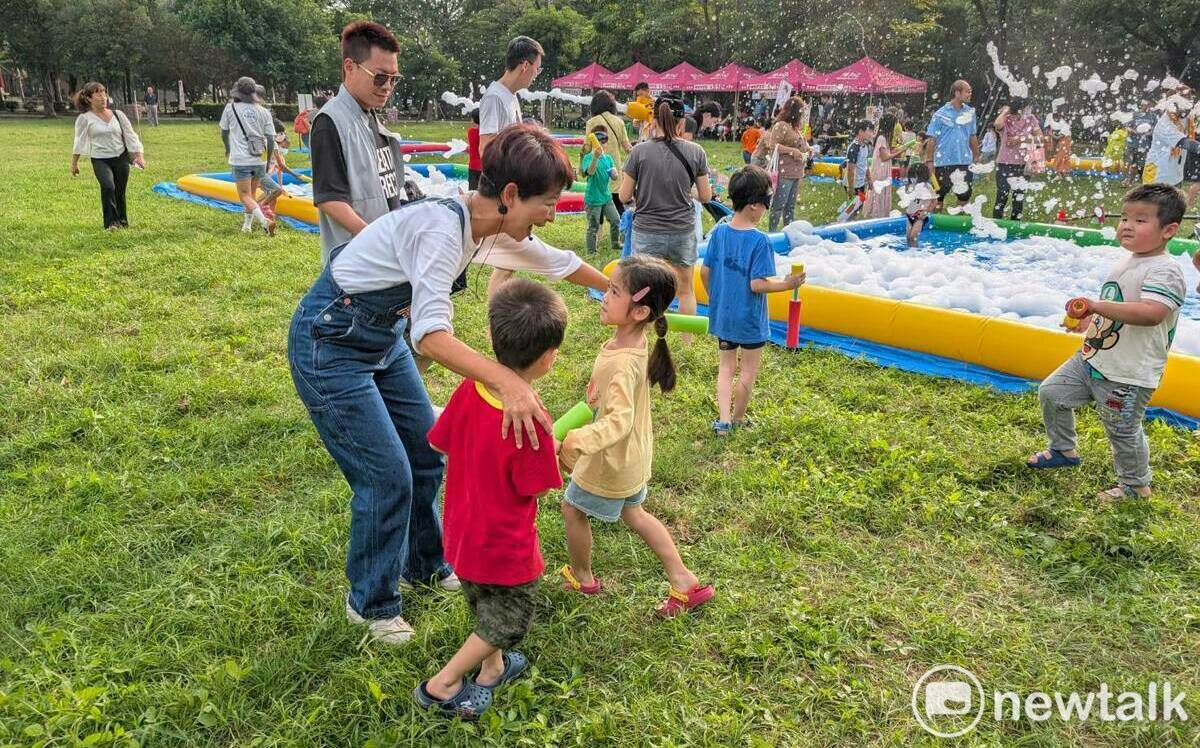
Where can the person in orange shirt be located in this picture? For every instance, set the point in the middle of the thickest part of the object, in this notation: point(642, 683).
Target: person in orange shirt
point(750, 140)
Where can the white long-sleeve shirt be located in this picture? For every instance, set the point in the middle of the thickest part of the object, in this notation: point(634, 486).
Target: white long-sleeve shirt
point(423, 245)
point(99, 139)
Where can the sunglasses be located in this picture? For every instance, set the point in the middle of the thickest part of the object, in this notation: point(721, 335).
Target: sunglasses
point(381, 79)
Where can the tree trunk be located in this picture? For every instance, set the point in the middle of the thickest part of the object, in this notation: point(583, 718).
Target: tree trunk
point(48, 93)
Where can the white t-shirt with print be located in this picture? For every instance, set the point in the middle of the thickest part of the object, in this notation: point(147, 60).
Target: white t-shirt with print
point(257, 123)
point(498, 109)
point(1136, 354)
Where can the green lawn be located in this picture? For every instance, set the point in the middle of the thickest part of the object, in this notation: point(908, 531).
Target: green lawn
point(172, 532)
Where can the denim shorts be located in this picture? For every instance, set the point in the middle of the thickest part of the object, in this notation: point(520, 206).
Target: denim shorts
point(259, 172)
point(676, 248)
point(600, 507)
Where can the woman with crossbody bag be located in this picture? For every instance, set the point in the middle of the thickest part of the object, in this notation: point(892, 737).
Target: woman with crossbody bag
point(248, 133)
point(109, 140)
point(660, 173)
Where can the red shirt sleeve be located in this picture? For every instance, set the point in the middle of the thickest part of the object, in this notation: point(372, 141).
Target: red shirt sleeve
point(533, 471)
point(439, 435)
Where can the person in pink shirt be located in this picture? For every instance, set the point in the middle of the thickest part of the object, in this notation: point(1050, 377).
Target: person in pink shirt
point(1019, 135)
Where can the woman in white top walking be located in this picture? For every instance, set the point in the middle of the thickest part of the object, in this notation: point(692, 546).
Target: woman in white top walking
point(109, 140)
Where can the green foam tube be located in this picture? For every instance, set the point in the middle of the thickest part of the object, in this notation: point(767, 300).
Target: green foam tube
point(687, 323)
point(579, 415)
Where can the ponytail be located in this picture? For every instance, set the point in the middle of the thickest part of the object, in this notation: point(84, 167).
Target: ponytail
point(665, 121)
point(641, 272)
point(661, 368)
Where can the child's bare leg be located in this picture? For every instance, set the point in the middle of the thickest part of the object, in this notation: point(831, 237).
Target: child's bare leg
point(686, 296)
point(727, 362)
point(579, 543)
point(747, 373)
point(470, 655)
point(659, 539)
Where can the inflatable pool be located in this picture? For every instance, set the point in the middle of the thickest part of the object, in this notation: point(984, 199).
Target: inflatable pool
point(296, 203)
point(983, 308)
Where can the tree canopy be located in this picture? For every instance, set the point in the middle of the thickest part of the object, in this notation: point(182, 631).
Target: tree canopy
point(291, 45)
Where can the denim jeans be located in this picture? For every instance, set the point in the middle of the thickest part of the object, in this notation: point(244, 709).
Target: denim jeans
point(783, 203)
point(356, 375)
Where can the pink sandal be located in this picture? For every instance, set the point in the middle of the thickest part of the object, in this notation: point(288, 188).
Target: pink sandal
point(574, 585)
point(680, 602)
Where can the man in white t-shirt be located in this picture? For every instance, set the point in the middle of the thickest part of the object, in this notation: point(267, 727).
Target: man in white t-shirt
point(499, 107)
point(1129, 333)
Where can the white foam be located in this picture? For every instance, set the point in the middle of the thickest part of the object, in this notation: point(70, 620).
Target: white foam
point(958, 182)
point(1058, 74)
point(1092, 85)
point(1016, 87)
point(1028, 279)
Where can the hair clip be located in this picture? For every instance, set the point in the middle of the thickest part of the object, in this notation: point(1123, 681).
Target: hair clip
point(640, 294)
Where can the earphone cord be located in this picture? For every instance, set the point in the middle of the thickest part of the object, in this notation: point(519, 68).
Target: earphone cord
point(475, 286)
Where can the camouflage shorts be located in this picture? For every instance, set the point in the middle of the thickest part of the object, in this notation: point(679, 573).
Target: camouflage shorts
point(502, 613)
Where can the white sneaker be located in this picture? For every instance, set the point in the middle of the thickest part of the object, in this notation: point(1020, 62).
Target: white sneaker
point(394, 630)
point(450, 583)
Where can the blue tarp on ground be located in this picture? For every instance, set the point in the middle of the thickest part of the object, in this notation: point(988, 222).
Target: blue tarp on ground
point(170, 189)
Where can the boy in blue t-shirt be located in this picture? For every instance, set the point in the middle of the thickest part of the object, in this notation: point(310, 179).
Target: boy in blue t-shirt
point(599, 170)
point(738, 271)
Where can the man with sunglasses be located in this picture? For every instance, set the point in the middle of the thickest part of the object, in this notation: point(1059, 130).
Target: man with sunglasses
point(357, 163)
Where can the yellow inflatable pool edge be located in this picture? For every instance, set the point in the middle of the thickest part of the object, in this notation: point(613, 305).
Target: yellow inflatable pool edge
point(219, 189)
point(999, 344)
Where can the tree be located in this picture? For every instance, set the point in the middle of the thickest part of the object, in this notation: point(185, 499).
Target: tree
point(285, 42)
point(427, 70)
point(32, 31)
point(559, 31)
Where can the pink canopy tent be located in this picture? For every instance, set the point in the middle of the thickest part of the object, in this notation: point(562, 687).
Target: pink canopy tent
point(679, 78)
point(865, 77)
point(732, 77)
point(584, 77)
point(626, 79)
point(795, 72)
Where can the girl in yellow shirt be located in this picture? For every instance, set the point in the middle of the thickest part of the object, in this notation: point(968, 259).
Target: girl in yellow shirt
point(609, 459)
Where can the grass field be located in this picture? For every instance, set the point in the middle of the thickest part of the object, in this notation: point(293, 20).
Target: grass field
point(172, 532)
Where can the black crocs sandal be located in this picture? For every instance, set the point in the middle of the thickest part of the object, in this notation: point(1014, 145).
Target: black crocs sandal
point(515, 663)
point(469, 702)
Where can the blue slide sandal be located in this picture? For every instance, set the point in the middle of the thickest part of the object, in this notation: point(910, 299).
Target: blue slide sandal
point(1055, 460)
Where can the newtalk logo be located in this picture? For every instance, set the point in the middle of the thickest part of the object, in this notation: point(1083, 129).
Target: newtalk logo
point(948, 701)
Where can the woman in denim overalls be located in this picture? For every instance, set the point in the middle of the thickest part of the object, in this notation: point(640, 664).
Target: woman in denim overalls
point(358, 379)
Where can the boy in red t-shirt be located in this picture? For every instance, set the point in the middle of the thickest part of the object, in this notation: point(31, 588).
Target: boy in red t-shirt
point(489, 528)
point(474, 158)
